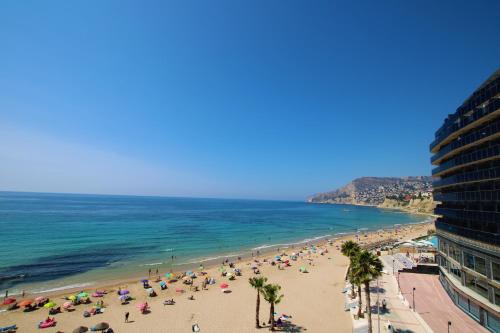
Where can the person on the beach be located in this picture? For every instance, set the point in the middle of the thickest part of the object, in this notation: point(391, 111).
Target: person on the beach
point(157, 271)
point(150, 272)
point(126, 316)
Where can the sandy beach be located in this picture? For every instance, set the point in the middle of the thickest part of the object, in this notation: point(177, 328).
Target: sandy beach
point(314, 300)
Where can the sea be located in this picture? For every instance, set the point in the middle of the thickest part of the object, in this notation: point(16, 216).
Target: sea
point(52, 242)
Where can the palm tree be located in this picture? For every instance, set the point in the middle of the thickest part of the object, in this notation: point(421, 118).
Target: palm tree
point(257, 283)
point(351, 249)
point(367, 267)
point(272, 296)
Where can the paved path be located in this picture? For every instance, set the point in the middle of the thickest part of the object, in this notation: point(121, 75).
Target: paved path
point(398, 313)
point(435, 306)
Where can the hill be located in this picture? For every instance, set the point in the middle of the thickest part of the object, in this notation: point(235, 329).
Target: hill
point(374, 191)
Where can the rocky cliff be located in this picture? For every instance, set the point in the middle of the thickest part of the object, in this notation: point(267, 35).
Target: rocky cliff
point(416, 206)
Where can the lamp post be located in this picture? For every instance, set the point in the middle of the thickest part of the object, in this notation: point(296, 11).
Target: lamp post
point(378, 307)
point(413, 298)
point(449, 325)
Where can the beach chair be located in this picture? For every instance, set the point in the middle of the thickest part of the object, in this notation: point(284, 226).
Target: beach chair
point(8, 329)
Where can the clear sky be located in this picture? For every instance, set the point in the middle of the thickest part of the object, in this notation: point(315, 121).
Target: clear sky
point(246, 99)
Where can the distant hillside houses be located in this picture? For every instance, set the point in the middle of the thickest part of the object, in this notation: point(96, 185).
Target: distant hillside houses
point(374, 190)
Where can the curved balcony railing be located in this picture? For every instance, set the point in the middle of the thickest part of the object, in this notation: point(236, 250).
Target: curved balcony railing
point(479, 134)
point(468, 196)
point(469, 215)
point(473, 156)
point(487, 237)
point(452, 126)
point(471, 176)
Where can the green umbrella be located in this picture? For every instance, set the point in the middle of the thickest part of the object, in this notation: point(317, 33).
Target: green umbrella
point(83, 294)
point(49, 305)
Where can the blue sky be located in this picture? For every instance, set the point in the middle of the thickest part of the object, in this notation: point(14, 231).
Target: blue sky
point(244, 99)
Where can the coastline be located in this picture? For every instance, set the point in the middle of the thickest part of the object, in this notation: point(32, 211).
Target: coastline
point(213, 310)
point(104, 277)
point(400, 209)
point(211, 263)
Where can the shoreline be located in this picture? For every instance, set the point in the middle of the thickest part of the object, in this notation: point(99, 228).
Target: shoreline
point(399, 209)
point(215, 311)
point(212, 263)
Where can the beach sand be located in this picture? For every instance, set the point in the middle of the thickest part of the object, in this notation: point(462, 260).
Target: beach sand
point(314, 300)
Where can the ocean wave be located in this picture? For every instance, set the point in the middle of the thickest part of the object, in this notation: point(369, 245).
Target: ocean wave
point(168, 250)
point(152, 264)
point(286, 245)
point(69, 286)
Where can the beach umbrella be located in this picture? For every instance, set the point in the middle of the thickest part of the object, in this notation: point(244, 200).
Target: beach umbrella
point(142, 306)
point(169, 275)
point(186, 278)
point(100, 327)
point(123, 298)
point(40, 299)
point(83, 294)
point(25, 302)
point(9, 300)
point(50, 305)
point(81, 329)
point(72, 297)
point(123, 292)
point(67, 305)
point(144, 280)
point(224, 285)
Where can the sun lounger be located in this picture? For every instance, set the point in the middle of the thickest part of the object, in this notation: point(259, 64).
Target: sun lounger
point(11, 328)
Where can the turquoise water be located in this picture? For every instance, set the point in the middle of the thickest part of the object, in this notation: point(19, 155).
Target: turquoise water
point(55, 240)
point(434, 241)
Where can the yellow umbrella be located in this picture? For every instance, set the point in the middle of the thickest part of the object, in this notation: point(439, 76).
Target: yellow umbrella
point(72, 297)
point(49, 305)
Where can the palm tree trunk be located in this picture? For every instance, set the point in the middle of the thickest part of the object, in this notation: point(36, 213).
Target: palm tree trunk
point(352, 284)
point(257, 325)
point(368, 307)
point(360, 302)
point(272, 316)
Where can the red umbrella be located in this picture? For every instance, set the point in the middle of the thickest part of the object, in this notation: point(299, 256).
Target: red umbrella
point(224, 286)
point(9, 300)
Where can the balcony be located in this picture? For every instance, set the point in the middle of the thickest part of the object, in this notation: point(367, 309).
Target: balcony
point(455, 123)
point(472, 176)
point(478, 196)
point(468, 158)
point(479, 135)
point(469, 215)
point(486, 237)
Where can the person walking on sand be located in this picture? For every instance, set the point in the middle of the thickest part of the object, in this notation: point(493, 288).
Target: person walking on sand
point(150, 272)
point(126, 316)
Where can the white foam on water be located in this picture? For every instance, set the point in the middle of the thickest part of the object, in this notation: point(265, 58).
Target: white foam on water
point(152, 264)
point(70, 286)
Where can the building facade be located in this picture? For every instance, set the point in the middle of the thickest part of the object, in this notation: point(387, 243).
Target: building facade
point(466, 155)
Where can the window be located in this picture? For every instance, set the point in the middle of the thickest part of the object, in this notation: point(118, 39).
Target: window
point(477, 284)
point(492, 322)
point(468, 260)
point(480, 265)
point(495, 268)
point(454, 252)
point(455, 270)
